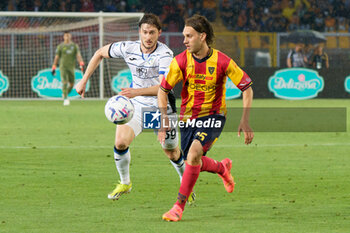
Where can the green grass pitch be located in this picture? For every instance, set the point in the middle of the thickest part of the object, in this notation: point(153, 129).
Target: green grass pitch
point(56, 169)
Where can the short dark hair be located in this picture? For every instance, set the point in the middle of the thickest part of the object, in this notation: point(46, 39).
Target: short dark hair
point(201, 24)
point(151, 19)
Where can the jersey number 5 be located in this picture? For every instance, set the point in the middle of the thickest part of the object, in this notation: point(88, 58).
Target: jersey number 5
point(201, 135)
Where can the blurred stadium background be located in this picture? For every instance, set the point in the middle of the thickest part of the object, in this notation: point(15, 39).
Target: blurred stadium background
point(252, 32)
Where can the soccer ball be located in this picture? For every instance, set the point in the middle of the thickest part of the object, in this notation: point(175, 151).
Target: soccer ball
point(119, 109)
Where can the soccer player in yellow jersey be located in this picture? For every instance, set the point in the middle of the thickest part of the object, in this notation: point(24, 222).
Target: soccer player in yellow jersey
point(203, 71)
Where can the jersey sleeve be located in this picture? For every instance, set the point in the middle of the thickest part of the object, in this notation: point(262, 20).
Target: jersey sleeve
point(174, 76)
point(77, 48)
point(238, 76)
point(117, 49)
point(58, 50)
point(164, 62)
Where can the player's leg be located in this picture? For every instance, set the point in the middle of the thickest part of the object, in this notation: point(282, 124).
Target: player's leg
point(125, 134)
point(64, 80)
point(71, 79)
point(189, 179)
point(207, 137)
point(175, 155)
point(123, 138)
point(195, 143)
point(172, 151)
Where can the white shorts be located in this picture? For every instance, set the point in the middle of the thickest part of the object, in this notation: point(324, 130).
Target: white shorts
point(136, 123)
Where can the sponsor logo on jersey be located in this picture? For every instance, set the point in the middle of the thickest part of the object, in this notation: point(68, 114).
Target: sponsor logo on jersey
point(296, 84)
point(200, 77)
point(202, 87)
point(141, 72)
point(48, 86)
point(4, 83)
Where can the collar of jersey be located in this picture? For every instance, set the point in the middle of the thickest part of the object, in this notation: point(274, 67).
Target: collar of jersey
point(205, 58)
point(149, 54)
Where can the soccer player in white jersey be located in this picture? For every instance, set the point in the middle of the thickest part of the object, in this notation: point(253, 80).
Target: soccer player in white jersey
point(148, 60)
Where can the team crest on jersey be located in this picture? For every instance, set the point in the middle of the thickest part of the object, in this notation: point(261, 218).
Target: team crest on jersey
point(142, 73)
point(211, 70)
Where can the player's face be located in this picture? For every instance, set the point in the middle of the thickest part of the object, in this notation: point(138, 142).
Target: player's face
point(67, 37)
point(149, 35)
point(193, 40)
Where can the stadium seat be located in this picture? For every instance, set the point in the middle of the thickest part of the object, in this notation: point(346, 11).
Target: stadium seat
point(331, 42)
point(255, 42)
point(344, 42)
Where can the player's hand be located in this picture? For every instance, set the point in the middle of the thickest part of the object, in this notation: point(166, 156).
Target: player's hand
point(81, 66)
point(161, 136)
point(165, 126)
point(80, 88)
point(248, 132)
point(53, 71)
point(129, 92)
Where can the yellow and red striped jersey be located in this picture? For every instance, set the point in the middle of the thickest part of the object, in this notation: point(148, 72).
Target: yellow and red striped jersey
point(203, 92)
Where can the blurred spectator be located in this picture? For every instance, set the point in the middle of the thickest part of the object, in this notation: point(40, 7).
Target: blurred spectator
point(110, 6)
point(329, 24)
point(241, 21)
point(294, 23)
point(11, 6)
point(307, 19)
point(87, 6)
point(209, 9)
point(62, 6)
point(37, 6)
point(319, 22)
point(319, 59)
point(153, 6)
point(72, 5)
point(227, 14)
point(289, 11)
point(133, 5)
point(238, 15)
point(296, 57)
point(342, 27)
point(50, 6)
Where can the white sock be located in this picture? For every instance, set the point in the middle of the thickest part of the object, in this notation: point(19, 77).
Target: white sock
point(122, 162)
point(179, 166)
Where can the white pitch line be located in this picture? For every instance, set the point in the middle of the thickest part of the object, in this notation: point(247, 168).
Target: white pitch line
point(151, 146)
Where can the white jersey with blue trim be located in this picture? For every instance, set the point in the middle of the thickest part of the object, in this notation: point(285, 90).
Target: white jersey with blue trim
point(145, 68)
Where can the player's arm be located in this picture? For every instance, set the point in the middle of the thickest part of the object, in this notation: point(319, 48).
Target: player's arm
point(93, 64)
point(327, 61)
point(147, 91)
point(173, 77)
point(80, 61)
point(162, 104)
point(243, 82)
point(132, 92)
point(289, 62)
point(54, 65)
point(244, 123)
point(289, 59)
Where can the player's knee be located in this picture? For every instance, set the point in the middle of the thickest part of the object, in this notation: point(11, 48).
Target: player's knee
point(173, 154)
point(193, 159)
point(121, 145)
